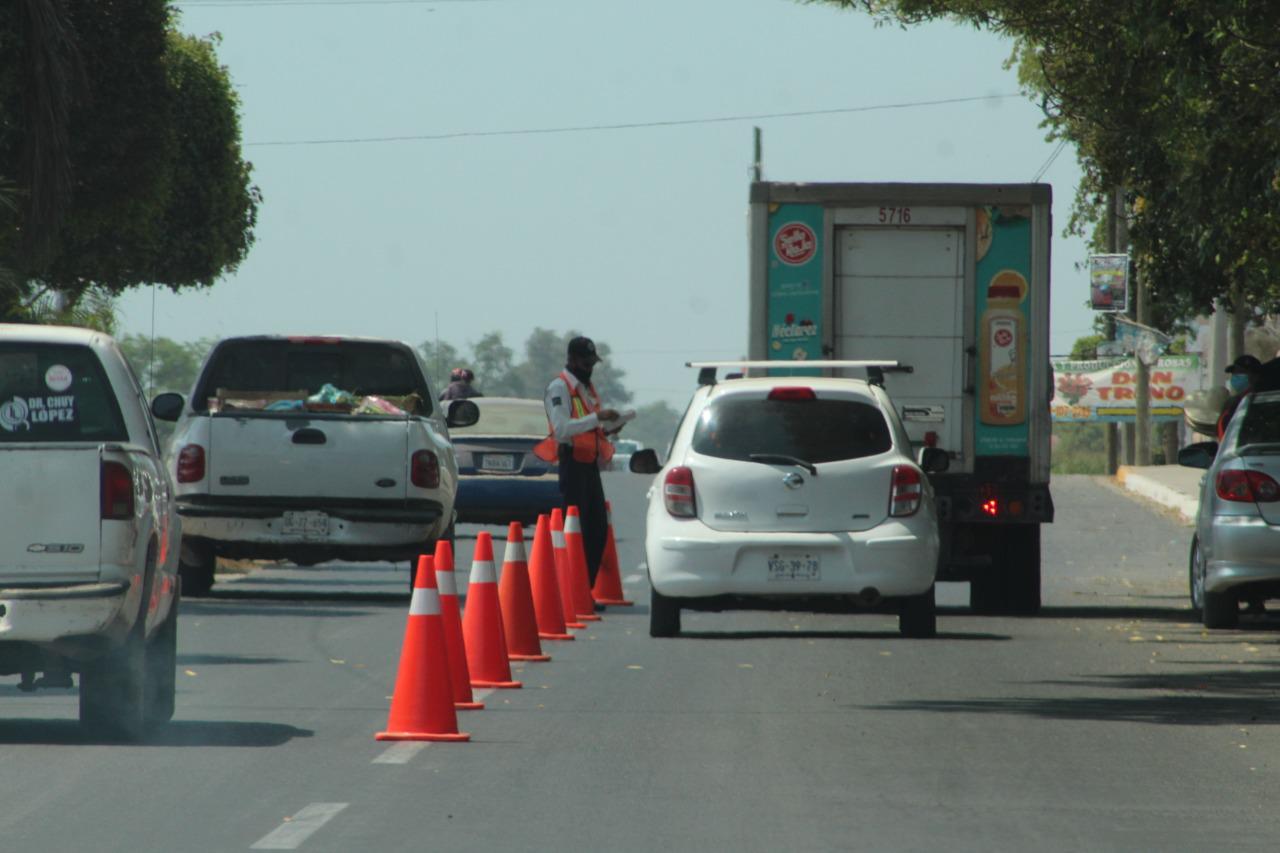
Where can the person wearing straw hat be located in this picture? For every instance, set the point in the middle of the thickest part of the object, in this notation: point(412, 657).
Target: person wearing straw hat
point(578, 441)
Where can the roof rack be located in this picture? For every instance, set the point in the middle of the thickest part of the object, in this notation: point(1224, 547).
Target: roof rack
point(875, 368)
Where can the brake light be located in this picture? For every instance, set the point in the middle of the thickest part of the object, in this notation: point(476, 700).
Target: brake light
point(191, 464)
point(792, 393)
point(117, 492)
point(677, 493)
point(313, 339)
point(424, 470)
point(990, 506)
point(1247, 487)
point(906, 490)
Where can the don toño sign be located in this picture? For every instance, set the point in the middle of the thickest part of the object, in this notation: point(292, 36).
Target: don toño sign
point(1103, 389)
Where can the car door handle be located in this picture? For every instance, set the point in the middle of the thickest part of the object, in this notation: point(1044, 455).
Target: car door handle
point(309, 435)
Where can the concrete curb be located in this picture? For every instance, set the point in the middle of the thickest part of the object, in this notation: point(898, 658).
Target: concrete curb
point(1134, 481)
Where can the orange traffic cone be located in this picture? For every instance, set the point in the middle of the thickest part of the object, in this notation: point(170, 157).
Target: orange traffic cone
point(515, 597)
point(572, 618)
point(578, 578)
point(546, 585)
point(453, 643)
point(422, 705)
point(608, 588)
point(482, 622)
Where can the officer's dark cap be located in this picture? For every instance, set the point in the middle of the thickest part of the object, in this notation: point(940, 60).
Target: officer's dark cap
point(583, 348)
point(1245, 364)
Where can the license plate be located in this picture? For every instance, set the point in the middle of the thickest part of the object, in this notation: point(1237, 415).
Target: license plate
point(309, 524)
point(498, 462)
point(795, 567)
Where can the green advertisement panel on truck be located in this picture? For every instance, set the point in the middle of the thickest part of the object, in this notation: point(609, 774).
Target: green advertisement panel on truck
point(951, 280)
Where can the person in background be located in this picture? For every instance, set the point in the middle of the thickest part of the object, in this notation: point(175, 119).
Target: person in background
point(1243, 372)
point(579, 441)
point(460, 387)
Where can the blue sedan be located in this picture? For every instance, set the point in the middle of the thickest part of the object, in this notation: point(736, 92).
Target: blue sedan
point(499, 478)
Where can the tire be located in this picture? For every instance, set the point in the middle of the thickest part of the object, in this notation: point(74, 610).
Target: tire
point(1221, 610)
point(664, 615)
point(1195, 577)
point(162, 667)
point(197, 575)
point(919, 615)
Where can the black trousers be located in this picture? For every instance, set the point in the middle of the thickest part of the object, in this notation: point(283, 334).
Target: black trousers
point(580, 486)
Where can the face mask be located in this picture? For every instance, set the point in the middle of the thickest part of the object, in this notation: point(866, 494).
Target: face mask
point(1238, 383)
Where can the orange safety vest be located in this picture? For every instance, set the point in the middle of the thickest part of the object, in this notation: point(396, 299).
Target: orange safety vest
point(587, 446)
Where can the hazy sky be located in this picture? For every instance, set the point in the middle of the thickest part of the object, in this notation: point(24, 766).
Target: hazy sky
point(636, 236)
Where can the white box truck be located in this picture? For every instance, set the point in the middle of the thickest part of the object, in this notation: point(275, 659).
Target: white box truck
point(952, 281)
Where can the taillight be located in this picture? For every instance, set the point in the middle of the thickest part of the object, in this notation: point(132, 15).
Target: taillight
point(677, 493)
point(117, 492)
point(424, 470)
point(191, 464)
point(792, 393)
point(1247, 487)
point(905, 490)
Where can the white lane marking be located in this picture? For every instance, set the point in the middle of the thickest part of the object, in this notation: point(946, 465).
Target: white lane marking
point(297, 829)
point(400, 753)
point(633, 579)
point(404, 751)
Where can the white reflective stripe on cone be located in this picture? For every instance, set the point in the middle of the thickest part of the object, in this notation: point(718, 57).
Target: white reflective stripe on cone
point(425, 602)
point(572, 525)
point(557, 539)
point(515, 553)
point(445, 580)
point(482, 571)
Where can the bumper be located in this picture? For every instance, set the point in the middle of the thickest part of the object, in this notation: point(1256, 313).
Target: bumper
point(1245, 551)
point(52, 614)
point(363, 524)
point(690, 560)
point(495, 500)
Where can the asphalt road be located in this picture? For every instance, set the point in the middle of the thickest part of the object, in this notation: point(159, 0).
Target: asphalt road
point(1112, 722)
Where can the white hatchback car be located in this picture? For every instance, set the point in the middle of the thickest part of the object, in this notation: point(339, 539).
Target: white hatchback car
point(791, 493)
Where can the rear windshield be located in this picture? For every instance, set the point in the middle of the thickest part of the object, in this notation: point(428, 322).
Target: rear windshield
point(1261, 423)
point(813, 430)
point(286, 369)
point(56, 392)
point(507, 417)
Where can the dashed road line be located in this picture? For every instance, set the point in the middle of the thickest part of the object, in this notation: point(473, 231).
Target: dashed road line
point(297, 829)
point(403, 751)
point(633, 579)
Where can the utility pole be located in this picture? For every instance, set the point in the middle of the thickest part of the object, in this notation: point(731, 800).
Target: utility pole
point(1121, 221)
point(1111, 430)
point(757, 161)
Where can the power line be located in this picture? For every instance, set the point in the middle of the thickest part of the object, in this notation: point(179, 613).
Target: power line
point(1049, 162)
point(472, 134)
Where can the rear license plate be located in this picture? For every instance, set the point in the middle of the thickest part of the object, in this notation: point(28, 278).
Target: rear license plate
point(498, 462)
point(795, 567)
point(309, 524)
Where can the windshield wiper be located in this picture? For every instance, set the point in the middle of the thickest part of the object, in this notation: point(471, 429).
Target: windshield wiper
point(783, 459)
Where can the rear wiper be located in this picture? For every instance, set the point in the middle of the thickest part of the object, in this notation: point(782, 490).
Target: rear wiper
point(783, 459)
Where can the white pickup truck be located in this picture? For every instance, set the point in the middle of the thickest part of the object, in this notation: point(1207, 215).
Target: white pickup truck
point(310, 448)
point(88, 534)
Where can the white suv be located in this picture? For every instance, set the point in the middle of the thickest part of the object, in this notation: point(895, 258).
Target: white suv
point(88, 536)
point(791, 493)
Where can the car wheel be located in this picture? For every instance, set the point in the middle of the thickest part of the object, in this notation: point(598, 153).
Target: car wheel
point(113, 694)
point(1196, 577)
point(919, 615)
point(196, 564)
point(1221, 610)
point(162, 666)
point(664, 615)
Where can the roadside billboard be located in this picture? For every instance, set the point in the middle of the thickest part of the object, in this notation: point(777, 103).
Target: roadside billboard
point(1109, 282)
point(1102, 390)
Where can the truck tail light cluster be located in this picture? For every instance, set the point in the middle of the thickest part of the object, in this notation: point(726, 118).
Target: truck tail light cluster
point(905, 490)
point(117, 492)
point(677, 493)
point(424, 470)
point(1247, 487)
point(191, 464)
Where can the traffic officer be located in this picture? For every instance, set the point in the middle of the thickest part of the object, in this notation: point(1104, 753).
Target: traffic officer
point(579, 443)
point(1244, 372)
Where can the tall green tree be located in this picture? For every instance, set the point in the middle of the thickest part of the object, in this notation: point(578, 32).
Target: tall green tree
point(164, 364)
point(139, 178)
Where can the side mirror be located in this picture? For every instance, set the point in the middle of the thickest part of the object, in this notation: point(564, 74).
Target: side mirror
point(462, 413)
point(167, 406)
point(934, 460)
point(1198, 455)
point(645, 462)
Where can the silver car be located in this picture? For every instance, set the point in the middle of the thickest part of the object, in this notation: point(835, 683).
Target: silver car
point(1235, 554)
